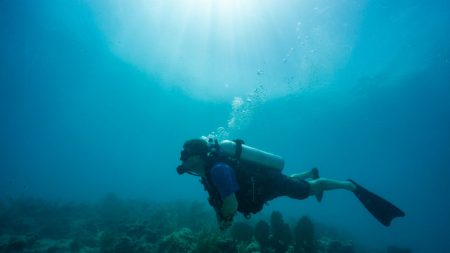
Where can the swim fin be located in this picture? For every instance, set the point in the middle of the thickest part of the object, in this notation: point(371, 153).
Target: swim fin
point(315, 175)
point(383, 210)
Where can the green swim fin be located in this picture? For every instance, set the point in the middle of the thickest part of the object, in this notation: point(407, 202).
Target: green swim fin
point(383, 210)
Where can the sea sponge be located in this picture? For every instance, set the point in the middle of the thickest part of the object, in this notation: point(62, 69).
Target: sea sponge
point(276, 221)
point(281, 232)
point(304, 236)
point(262, 232)
point(279, 229)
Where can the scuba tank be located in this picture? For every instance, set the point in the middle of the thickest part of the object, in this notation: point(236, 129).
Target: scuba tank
point(252, 155)
point(238, 151)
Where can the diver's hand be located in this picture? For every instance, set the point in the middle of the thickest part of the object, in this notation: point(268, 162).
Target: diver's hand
point(225, 223)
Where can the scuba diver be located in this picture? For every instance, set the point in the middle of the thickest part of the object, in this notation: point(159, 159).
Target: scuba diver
point(239, 178)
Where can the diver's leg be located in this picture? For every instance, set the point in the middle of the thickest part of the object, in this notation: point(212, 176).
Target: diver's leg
point(282, 185)
point(313, 173)
point(302, 175)
point(324, 184)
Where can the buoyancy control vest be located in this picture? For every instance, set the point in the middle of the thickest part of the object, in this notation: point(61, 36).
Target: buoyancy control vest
point(251, 174)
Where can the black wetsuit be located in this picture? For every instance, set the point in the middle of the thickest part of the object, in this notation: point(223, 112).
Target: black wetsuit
point(257, 185)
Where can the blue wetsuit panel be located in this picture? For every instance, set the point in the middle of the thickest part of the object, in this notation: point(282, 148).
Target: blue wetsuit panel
point(224, 178)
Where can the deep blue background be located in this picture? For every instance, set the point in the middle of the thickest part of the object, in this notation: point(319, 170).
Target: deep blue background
point(78, 121)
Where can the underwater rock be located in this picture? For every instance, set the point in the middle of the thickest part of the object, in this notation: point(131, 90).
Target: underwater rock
point(50, 246)
point(335, 246)
point(214, 241)
point(194, 216)
point(207, 242)
point(114, 243)
point(56, 249)
point(225, 245)
point(124, 245)
point(55, 229)
point(75, 246)
point(112, 212)
point(107, 240)
point(136, 230)
point(182, 240)
point(241, 231)
point(393, 249)
point(16, 244)
point(152, 235)
point(84, 238)
point(253, 247)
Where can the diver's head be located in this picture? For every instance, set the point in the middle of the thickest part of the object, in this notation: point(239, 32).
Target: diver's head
point(193, 157)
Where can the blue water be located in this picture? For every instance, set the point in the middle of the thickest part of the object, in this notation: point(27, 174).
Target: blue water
point(98, 97)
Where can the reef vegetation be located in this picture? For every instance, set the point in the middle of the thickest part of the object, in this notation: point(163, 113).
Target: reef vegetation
point(115, 225)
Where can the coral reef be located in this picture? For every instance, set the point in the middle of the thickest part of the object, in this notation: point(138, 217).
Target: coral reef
point(115, 225)
point(182, 240)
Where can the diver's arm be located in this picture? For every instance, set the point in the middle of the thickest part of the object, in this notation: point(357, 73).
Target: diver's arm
point(227, 211)
point(229, 206)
